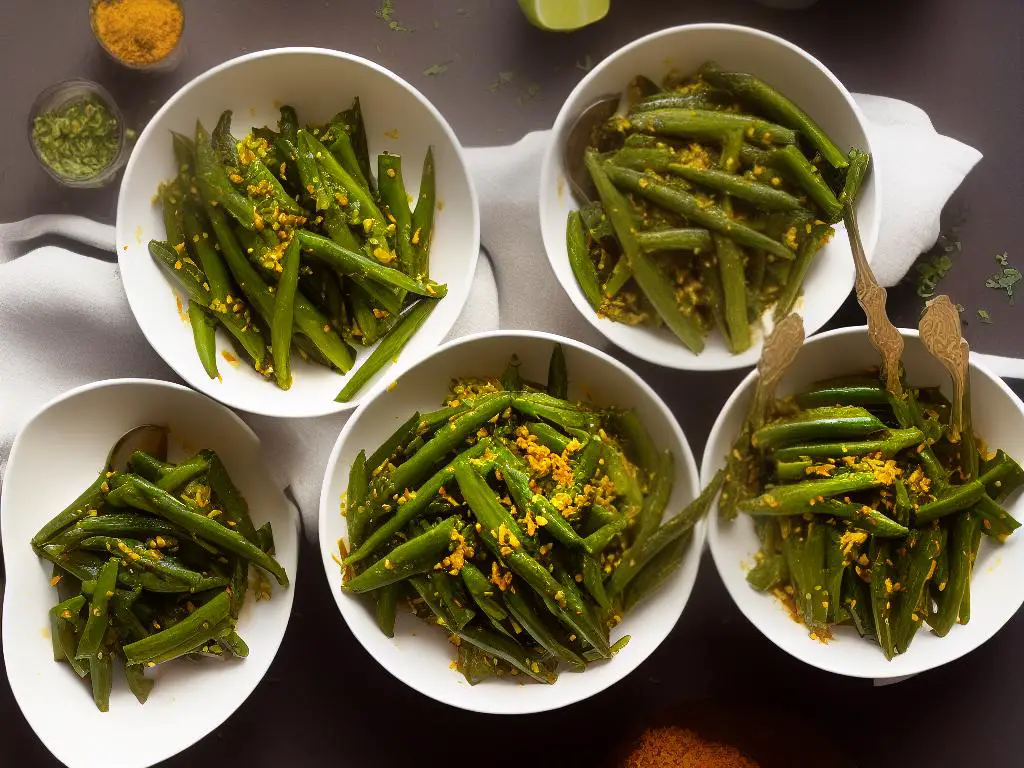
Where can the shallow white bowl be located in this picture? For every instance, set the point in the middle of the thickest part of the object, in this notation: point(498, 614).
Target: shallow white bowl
point(799, 76)
point(56, 455)
point(420, 655)
point(318, 83)
point(997, 587)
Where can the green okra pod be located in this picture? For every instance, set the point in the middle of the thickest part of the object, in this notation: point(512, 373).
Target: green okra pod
point(681, 239)
point(148, 497)
point(648, 277)
point(834, 423)
point(388, 349)
point(407, 512)
point(392, 191)
point(202, 625)
point(417, 555)
point(283, 317)
point(88, 500)
point(802, 497)
point(710, 216)
point(423, 215)
point(96, 623)
point(897, 440)
point(761, 95)
point(763, 196)
point(579, 261)
point(484, 594)
point(635, 558)
point(709, 124)
point(533, 625)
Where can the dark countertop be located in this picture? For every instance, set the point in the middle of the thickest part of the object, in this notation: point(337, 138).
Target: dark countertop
point(961, 62)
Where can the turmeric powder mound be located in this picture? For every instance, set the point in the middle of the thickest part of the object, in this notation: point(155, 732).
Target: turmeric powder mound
point(674, 747)
point(138, 32)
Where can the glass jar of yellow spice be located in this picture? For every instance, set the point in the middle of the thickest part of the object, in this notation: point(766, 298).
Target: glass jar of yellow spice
point(140, 34)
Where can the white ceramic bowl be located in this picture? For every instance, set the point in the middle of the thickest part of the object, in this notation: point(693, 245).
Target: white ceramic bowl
point(794, 72)
point(997, 587)
point(54, 457)
point(419, 655)
point(318, 83)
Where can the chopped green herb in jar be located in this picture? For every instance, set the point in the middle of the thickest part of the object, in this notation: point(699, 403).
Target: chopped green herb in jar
point(78, 139)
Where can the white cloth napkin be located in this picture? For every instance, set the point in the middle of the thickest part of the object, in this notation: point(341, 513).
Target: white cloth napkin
point(64, 320)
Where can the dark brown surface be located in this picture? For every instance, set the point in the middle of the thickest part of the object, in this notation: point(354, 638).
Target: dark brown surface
point(324, 701)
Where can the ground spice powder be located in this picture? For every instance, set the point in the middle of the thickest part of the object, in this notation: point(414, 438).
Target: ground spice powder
point(138, 32)
point(674, 747)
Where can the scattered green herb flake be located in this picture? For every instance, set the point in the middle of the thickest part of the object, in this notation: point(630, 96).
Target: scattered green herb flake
point(529, 93)
point(504, 78)
point(386, 12)
point(1006, 278)
point(930, 272)
point(959, 308)
point(984, 316)
point(434, 70)
point(585, 64)
point(934, 264)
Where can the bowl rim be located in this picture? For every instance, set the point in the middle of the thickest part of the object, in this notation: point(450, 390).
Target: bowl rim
point(684, 361)
point(686, 466)
point(162, 752)
point(717, 556)
point(122, 236)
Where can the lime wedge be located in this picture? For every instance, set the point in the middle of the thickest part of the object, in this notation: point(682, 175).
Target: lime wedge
point(564, 15)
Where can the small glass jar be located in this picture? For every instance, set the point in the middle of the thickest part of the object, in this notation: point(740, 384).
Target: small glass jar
point(62, 94)
point(165, 63)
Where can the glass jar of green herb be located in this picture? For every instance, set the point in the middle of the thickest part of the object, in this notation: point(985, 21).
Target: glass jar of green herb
point(77, 133)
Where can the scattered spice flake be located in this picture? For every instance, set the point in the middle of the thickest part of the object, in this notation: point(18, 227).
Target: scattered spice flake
point(984, 316)
point(392, 134)
point(1006, 278)
point(504, 78)
point(531, 92)
point(232, 360)
point(436, 69)
point(386, 12)
point(181, 309)
point(935, 264)
point(585, 64)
